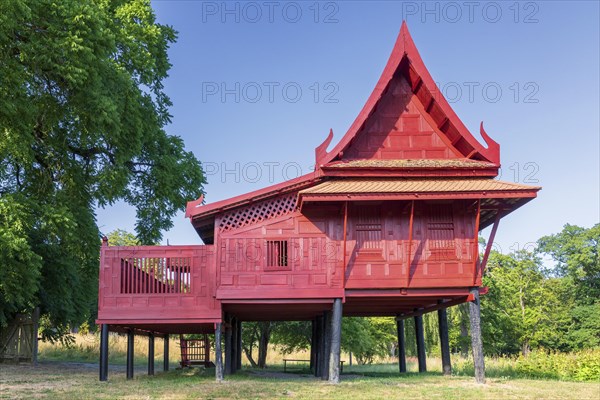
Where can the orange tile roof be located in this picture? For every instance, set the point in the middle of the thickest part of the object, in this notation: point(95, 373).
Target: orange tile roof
point(414, 186)
point(413, 163)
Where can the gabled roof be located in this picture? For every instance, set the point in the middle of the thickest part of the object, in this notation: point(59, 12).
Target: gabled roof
point(405, 69)
point(405, 63)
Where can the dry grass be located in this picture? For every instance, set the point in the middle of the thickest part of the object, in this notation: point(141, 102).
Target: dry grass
point(57, 377)
point(54, 380)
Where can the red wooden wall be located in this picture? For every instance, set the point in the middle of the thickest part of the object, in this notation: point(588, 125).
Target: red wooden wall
point(148, 284)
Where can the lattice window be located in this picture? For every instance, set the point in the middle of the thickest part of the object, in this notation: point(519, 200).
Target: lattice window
point(368, 228)
point(440, 231)
point(277, 253)
point(258, 212)
point(156, 275)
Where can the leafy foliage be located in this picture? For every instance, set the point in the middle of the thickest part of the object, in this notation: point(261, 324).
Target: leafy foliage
point(82, 117)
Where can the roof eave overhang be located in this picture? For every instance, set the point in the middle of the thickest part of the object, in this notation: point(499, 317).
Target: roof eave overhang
point(408, 172)
point(200, 213)
point(341, 197)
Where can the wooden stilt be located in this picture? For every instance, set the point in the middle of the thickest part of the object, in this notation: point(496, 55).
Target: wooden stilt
point(326, 345)
point(239, 345)
point(130, 351)
point(444, 342)
point(401, 346)
point(228, 345)
point(476, 341)
point(166, 353)
point(313, 345)
point(218, 354)
point(335, 345)
point(319, 347)
point(420, 343)
point(104, 352)
point(151, 354)
point(234, 341)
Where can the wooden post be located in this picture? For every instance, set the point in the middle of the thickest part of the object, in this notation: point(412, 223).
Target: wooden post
point(410, 233)
point(103, 352)
point(476, 242)
point(319, 346)
point(239, 345)
point(326, 345)
point(336, 337)
point(313, 346)
point(228, 346)
point(234, 340)
point(130, 351)
point(218, 355)
point(151, 354)
point(476, 341)
point(420, 343)
point(444, 342)
point(166, 353)
point(488, 248)
point(35, 319)
point(401, 346)
point(345, 239)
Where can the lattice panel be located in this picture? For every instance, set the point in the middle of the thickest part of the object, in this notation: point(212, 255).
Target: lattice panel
point(258, 212)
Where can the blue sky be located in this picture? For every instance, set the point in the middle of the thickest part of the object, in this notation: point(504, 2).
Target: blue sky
point(256, 87)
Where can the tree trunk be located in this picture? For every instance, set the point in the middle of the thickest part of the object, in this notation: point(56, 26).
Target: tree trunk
point(248, 353)
point(263, 343)
point(525, 349)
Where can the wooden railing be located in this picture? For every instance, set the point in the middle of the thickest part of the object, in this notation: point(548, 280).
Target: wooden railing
point(166, 282)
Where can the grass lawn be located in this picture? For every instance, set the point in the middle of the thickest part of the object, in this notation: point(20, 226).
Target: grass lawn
point(69, 380)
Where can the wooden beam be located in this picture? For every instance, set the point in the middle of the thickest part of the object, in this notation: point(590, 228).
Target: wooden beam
point(345, 237)
point(443, 304)
point(488, 247)
point(476, 241)
point(410, 231)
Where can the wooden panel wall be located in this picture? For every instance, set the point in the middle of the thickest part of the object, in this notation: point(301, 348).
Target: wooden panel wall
point(400, 128)
point(377, 250)
point(157, 283)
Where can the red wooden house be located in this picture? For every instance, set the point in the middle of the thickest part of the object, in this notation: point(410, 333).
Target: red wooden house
point(386, 225)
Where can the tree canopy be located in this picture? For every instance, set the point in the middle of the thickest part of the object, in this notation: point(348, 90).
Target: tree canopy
point(82, 124)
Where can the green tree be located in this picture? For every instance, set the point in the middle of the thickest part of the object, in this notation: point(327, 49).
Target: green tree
point(292, 336)
point(257, 335)
point(521, 307)
point(575, 251)
point(368, 338)
point(82, 117)
point(120, 237)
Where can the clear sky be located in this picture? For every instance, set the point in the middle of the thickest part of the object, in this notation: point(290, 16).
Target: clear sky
point(256, 87)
